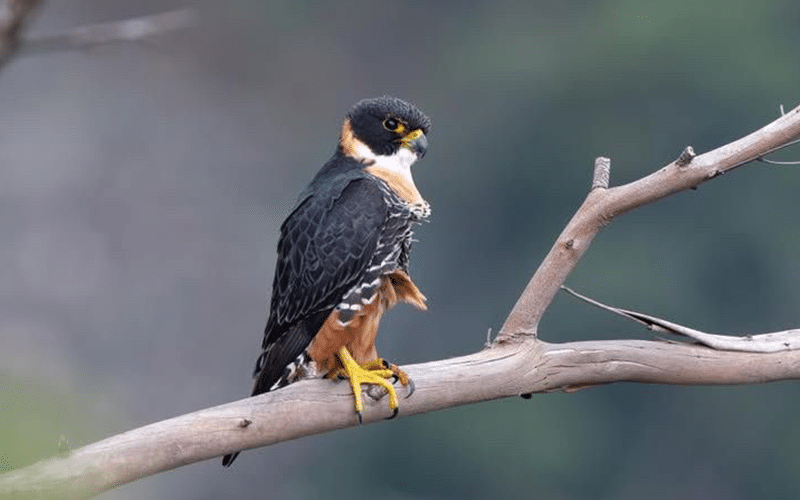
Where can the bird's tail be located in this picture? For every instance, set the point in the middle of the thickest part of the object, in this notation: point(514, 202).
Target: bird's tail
point(228, 459)
point(273, 364)
point(266, 376)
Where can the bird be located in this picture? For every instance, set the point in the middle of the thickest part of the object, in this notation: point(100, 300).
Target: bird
point(343, 257)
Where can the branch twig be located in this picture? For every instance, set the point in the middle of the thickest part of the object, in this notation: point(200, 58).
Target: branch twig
point(774, 162)
point(602, 173)
point(786, 340)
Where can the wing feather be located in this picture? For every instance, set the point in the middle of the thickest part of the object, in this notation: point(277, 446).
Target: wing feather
point(325, 248)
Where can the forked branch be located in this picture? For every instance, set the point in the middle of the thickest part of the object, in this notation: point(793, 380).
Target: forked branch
point(602, 205)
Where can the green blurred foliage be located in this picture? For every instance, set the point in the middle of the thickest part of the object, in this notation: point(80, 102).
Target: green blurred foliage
point(36, 420)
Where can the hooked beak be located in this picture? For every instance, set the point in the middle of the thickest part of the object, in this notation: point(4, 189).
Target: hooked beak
point(416, 142)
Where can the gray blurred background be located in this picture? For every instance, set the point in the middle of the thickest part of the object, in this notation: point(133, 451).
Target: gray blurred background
point(142, 187)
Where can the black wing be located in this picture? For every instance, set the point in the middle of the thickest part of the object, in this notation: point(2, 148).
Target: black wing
point(326, 245)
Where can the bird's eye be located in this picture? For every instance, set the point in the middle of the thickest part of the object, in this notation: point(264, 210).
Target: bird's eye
point(391, 124)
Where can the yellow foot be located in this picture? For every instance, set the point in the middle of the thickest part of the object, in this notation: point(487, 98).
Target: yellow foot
point(375, 373)
point(397, 373)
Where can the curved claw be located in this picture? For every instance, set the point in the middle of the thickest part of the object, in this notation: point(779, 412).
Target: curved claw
point(394, 414)
point(411, 388)
point(372, 374)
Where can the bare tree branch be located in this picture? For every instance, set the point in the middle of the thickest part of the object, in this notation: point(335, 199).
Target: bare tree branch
point(13, 16)
point(518, 363)
point(316, 406)
point(602, 205)
point(137, 29)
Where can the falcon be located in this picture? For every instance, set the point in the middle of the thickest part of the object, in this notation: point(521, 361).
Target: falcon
point(343, 257)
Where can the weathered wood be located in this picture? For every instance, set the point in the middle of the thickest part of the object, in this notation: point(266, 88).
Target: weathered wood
point(317, 406)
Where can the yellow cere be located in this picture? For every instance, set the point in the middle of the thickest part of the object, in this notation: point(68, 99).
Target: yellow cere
point(412, 135)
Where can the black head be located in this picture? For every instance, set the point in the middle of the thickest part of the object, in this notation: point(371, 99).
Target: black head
point(384, 125)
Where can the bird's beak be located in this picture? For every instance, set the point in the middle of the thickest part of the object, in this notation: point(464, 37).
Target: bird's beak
point(416, 142)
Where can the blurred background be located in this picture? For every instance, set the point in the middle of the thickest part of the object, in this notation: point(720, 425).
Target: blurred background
point(142, 187)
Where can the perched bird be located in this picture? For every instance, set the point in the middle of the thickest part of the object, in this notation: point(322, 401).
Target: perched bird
point(343, 256)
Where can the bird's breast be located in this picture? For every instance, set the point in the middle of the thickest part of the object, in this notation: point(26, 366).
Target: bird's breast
point(400, 182)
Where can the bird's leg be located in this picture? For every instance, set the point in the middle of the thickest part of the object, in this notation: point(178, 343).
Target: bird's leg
point(369, 373)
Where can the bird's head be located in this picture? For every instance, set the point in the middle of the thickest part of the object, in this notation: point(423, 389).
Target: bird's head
point(385, 130)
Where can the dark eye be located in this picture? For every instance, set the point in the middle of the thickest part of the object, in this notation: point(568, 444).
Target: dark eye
point(391, 124)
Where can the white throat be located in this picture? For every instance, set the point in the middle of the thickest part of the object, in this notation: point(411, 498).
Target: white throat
point(399, 162)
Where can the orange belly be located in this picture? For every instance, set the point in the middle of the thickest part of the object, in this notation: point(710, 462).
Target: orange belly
point(358, 335)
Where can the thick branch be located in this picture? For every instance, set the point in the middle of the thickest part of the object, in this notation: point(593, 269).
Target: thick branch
point(317, 406)
point(602, 205)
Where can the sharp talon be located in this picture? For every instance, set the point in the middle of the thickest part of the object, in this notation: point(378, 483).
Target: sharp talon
point(394, 414)
point(411, 388)
point(376, 374)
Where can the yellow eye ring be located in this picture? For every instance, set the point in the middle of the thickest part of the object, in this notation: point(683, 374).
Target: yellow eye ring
point(391, 124)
